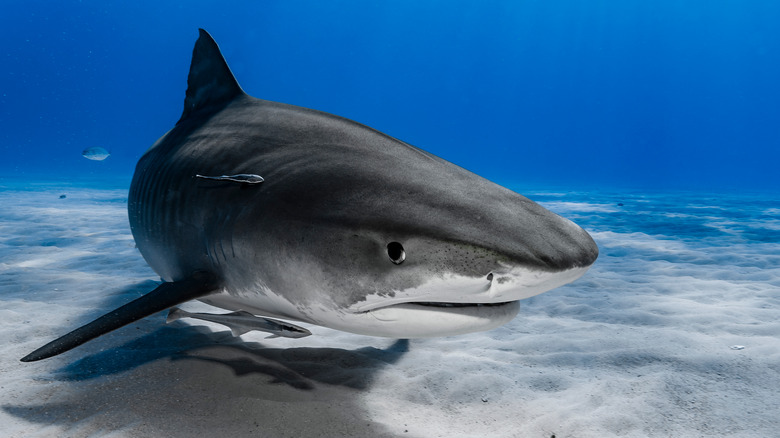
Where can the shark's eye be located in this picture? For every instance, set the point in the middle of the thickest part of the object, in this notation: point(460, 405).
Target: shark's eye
point(396, 252)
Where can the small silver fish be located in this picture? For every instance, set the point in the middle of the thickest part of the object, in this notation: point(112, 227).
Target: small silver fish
point(95, 153)
point(241, 322)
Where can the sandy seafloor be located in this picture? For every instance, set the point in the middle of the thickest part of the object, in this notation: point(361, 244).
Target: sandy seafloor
point(672, 333)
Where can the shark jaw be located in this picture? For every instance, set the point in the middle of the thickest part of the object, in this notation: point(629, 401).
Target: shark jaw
point(428, 319)
point(451, 305)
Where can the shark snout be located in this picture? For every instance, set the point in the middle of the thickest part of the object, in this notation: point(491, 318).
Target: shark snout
point(552, 244)
point(557, 253)
point(572, 247)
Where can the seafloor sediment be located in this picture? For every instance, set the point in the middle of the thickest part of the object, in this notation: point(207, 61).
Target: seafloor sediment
point(673, 332)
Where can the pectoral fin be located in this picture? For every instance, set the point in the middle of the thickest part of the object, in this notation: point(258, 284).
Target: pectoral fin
point(161, 298)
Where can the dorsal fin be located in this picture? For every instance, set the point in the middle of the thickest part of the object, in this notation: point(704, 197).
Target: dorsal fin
point(210, 82)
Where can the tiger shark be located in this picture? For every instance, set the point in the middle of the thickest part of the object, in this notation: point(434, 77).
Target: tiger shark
point(279, 211)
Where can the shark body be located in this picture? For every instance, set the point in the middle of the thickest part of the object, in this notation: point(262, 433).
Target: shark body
point(292, 213)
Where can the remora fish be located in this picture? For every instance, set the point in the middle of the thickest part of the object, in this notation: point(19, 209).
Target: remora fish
point(293, 213)
point(242, 322)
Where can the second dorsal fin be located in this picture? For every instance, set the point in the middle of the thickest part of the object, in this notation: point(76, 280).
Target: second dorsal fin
point(210, 82)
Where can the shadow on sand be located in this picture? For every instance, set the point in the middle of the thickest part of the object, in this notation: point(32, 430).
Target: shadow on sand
point(182, 380)
point(296, 367)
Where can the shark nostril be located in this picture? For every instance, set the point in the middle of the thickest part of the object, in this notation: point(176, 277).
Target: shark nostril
point(490, 277)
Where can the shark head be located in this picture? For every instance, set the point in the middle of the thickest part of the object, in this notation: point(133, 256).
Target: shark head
point(364, 233)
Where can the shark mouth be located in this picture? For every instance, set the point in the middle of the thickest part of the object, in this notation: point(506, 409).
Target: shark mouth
point(449, 305)
point(433, 306)
point(429, 319)
point(497, 289)
point(468, 304)
point(485, 310)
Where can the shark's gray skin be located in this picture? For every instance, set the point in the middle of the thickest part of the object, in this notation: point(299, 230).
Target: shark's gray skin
point(293, 213)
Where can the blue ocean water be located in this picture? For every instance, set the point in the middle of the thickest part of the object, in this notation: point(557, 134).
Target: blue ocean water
point(570, 94)
point(652, 124)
